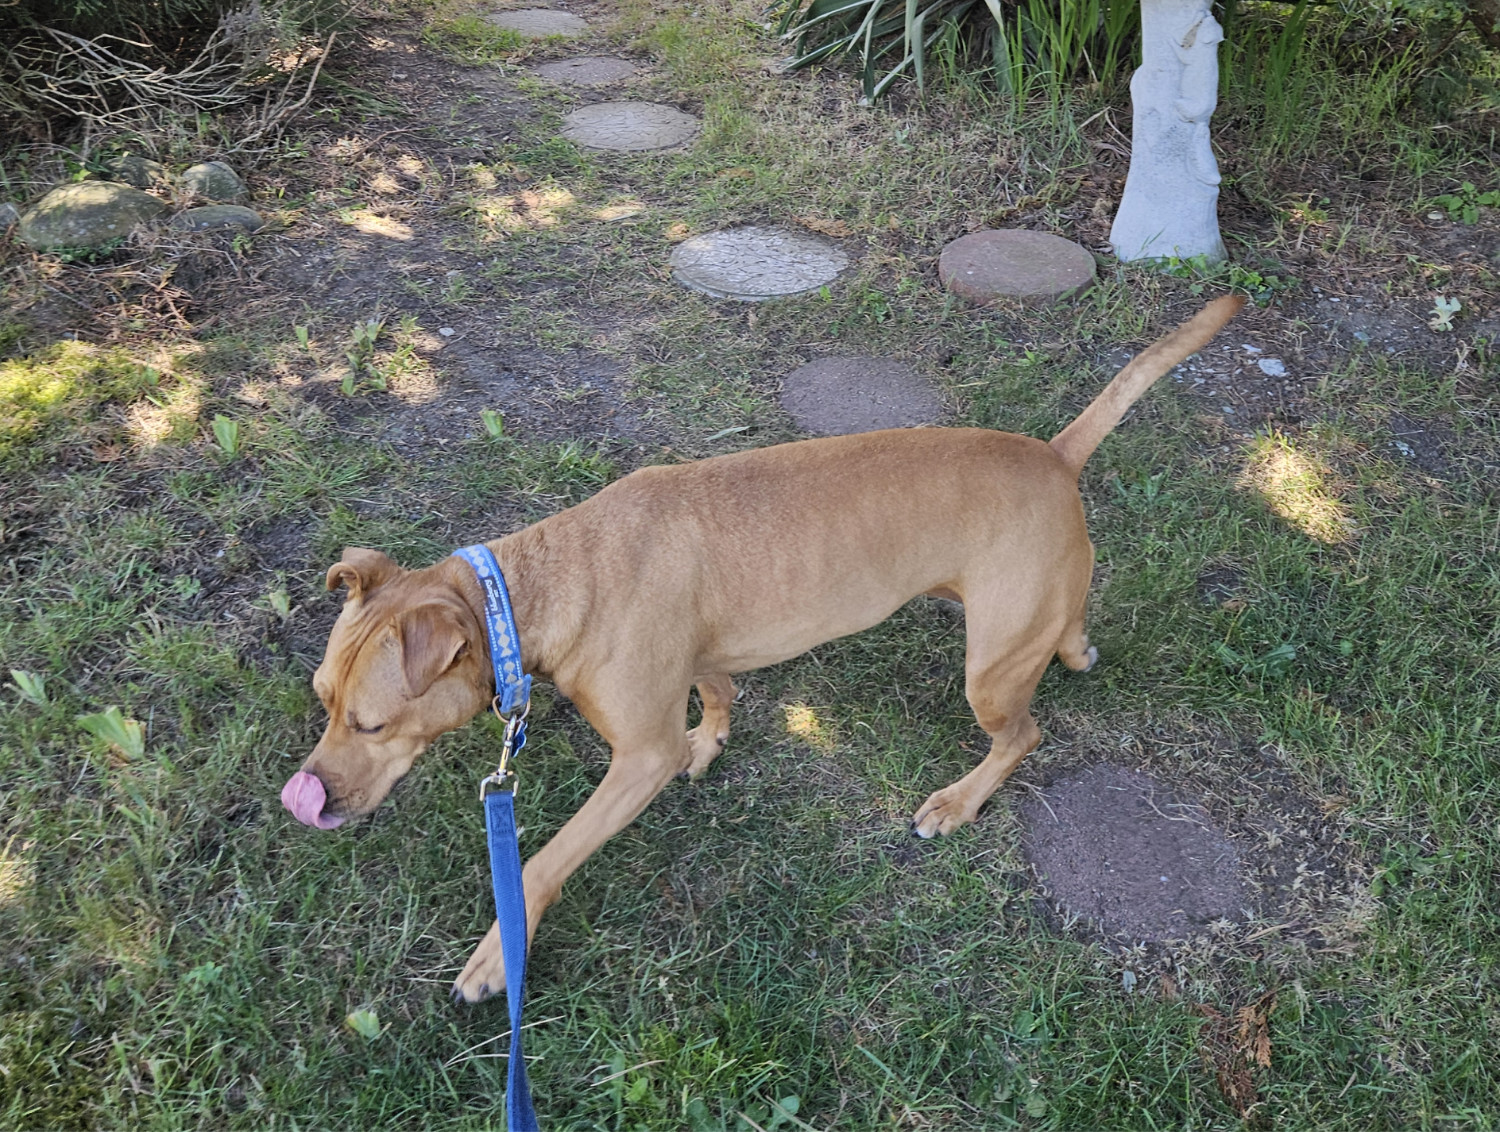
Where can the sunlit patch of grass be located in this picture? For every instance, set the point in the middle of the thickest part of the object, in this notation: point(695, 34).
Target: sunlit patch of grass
point(169, 415)
point(503, 213)
point(371, 223)
point(804, 723)
point(1299, 487)
point(16, 869)
point(64, 384)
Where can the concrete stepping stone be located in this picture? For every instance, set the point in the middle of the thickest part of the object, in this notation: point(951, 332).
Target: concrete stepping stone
point(539, 23)
point(1015, 262)
point(835, 396)
point(752, 264)
point(630, 126)
point(590, 70)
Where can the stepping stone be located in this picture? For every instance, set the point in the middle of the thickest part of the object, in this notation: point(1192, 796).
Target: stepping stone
point(1130, 854)
point(539, 23)
point(1012, 261)
point(591, 70)
point(629, 126)
point(834, 396)
point(752, 264)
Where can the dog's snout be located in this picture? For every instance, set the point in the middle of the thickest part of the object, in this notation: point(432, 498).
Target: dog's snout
point(304, 796)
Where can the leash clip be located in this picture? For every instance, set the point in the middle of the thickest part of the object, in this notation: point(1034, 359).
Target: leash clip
point(515, 739)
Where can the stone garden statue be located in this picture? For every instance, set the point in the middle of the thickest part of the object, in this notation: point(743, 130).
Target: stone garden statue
point(1171, 192)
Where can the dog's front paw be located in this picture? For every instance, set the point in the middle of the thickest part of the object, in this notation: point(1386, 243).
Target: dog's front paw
point(484, 974)
point(943, 812)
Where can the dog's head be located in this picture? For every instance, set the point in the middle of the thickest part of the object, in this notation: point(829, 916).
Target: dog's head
point(401, 669)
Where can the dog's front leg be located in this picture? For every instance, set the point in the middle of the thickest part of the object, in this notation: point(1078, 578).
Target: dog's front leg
point(635, 776)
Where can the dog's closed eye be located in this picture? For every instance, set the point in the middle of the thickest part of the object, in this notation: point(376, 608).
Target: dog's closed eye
point(355, 726)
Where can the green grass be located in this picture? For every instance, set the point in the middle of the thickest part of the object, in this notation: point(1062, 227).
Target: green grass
point(178, 953)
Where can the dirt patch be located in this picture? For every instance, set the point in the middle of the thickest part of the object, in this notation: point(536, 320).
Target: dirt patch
point(1258, 861)
point(1131, 854)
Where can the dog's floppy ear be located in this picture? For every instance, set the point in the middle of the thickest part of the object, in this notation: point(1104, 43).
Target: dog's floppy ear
point(361, 570)
point(433, 637)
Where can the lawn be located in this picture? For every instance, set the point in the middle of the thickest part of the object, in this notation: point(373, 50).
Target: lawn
point(1295, 601)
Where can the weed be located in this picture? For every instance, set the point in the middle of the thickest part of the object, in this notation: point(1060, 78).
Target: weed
point(1261, 284)
point(227, 433)
point(1465, 203)
point(125, 735)
point(361, 357)
point(494, 423)
point(30, 686)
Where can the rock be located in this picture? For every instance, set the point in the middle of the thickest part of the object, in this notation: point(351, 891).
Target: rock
point(213, 180)
point(211, 216)
point(89, 214)
point(10, 216)
point(141, 172)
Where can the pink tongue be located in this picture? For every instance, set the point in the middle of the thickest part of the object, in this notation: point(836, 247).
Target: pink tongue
point(304, 796)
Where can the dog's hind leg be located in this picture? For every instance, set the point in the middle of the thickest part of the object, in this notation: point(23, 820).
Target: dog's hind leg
point(1002, 672)
point(1074, 649)
point(708, 738)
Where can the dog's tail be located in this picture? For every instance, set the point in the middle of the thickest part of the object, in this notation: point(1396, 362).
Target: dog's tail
point(1076, 443)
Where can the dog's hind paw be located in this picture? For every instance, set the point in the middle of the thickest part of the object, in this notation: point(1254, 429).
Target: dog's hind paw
point(1093, 658)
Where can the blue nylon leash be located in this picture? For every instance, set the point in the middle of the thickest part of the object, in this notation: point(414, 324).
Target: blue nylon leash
point(498, 792)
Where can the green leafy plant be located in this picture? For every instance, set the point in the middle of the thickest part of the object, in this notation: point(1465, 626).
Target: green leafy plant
point(361, 356)
point(1274, 662)
point(127, 735)
point(494, 423)
point(1017, 40)
point(227, 433)
point(31, 685)
point(1260, 283)
point(302, 339)
point(1443, 310)
point(365, 1023)
point(1465, 203)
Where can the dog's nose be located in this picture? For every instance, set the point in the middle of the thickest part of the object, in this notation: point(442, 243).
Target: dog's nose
point(304, 796)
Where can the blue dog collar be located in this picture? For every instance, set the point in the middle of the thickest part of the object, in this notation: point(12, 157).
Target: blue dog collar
point(512, 684)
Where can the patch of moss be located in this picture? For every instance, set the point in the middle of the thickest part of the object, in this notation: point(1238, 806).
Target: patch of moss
point(60, 388)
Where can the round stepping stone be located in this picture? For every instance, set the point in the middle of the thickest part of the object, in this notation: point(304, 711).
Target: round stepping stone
point(1131, 854)
point(591, 70)
point(752, 264)
point(834, 396)
point(538, 23)
point(629, 126)
point(1029, 265)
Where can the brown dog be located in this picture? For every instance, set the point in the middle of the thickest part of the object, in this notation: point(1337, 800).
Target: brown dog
point(676, 576)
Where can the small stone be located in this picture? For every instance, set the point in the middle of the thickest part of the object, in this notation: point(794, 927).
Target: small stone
point(629, 126)
point(446, 331)
point(590, 70)
point(213, 180)
point(87, 215)
point(539, 23)
point(10, 216)
point(210, 216)
point(140, 172)
point(753, 263)
point(1015, 262)
point(1272, 367)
